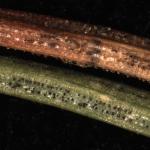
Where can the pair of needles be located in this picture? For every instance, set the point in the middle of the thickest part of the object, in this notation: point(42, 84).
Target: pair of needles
point(83, 45)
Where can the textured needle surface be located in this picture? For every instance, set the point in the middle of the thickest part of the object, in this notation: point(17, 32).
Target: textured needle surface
point(102, 99)
point(81, 44)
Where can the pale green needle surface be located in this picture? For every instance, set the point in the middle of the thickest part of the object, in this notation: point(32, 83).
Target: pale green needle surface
point(95, 97)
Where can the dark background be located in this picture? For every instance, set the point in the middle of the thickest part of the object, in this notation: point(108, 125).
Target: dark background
point(24, 125)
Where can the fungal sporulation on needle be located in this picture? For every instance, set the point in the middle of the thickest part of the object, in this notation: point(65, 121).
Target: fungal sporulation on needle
point(116, 103)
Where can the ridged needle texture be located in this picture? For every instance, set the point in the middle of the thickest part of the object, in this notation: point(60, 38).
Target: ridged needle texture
point(82, 44)
point(102, 99)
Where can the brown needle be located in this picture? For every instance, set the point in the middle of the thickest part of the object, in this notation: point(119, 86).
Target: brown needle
point(82, 44)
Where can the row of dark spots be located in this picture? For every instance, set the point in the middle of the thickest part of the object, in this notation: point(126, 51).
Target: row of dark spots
point(33, 86)
point(114, 111)
point(54, 92)
point(67, 96)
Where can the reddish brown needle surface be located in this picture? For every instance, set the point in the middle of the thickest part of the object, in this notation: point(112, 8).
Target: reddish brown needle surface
point(82, 44)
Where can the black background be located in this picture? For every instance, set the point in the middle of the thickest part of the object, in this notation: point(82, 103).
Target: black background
point(24, 125)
